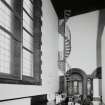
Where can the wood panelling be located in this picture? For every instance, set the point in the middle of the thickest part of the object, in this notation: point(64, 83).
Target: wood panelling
point(39, 100)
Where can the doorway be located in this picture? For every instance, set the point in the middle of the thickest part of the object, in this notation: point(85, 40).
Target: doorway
point(76, 83)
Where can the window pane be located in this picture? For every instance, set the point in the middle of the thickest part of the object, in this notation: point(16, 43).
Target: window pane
point(80, 84)
point(27, 22)
point(27, 5)
point(5, 52)
point(70, 87)
point(80, 87)
point(75, 83)
point(27, 63)
point(75, 90)
point(70, 91)
point(27, 40)
point(71, 84)
point(75, 87)
point(5, 16)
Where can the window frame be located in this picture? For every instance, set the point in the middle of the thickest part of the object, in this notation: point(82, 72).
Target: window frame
point(15, 75)
point(71, 86)
point(17, 47)
point(25, 77)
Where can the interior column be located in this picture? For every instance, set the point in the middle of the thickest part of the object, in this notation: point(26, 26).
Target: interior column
point(96, 96)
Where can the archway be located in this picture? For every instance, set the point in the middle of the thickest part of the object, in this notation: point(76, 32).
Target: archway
point(76, 82)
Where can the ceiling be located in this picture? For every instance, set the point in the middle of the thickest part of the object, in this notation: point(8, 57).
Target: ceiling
point(77, 6)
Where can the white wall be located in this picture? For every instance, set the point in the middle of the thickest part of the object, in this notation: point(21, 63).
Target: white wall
point(103, 65)
point(49, 61)
point(83, 41)
point(49, 48)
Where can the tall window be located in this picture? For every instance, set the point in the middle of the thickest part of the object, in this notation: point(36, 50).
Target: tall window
point(5, 38)
point(75, 87)
point(75, 83)
point(20, 55)
point(27, 38)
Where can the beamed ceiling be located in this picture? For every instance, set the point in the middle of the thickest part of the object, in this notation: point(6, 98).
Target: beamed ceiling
point(77, 6)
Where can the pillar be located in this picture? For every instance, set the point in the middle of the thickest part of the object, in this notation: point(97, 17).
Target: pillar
point(96, 95)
